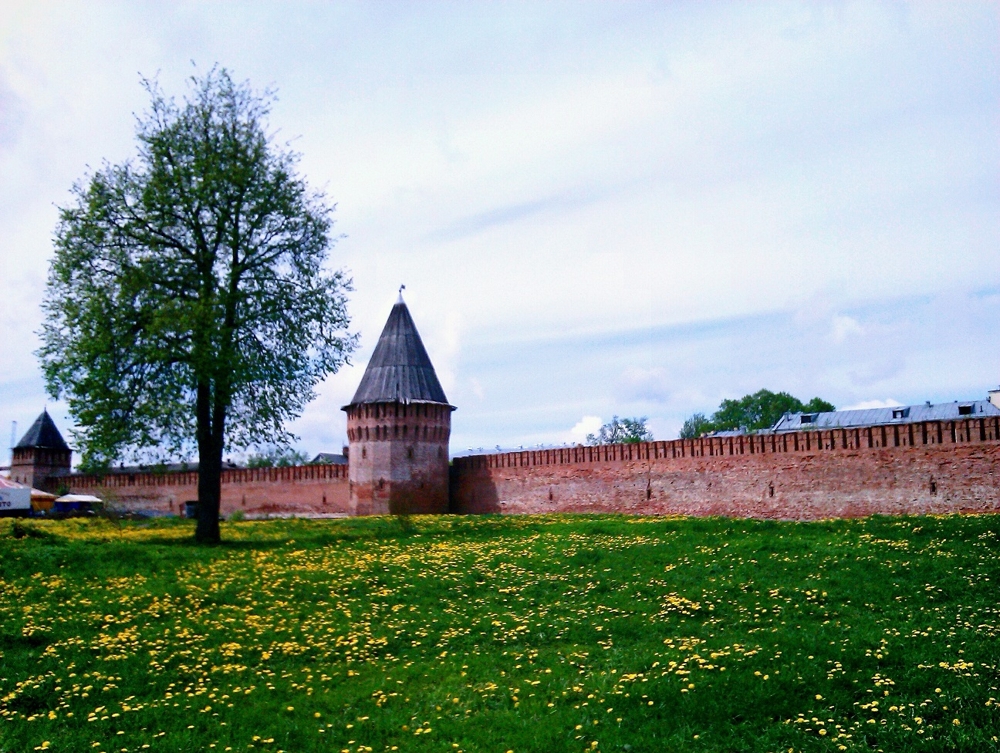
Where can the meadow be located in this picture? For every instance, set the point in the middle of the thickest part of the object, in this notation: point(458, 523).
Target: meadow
point(555, 633)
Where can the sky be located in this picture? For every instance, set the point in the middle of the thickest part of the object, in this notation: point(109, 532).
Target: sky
point(598, 209)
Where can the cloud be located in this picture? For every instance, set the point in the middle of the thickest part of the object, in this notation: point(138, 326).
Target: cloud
point(506, 215)
point(843, 327)
point(879, 369)
point(646, 384)
point(869, 404)
point(477, 388)
point(586, 425)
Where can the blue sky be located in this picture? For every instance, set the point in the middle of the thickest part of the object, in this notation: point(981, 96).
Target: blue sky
point(597, 208)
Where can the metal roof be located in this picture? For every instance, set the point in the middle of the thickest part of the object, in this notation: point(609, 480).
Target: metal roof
point(400, 369)
point(43, 434)
point(902, 414)
point(329, 458)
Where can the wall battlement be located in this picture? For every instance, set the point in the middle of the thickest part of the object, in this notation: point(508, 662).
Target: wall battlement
point(229, 476)
point(871, 437)
point(931, 467)
point(303, 489)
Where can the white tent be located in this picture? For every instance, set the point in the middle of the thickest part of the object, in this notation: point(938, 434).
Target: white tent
point(14, 497)
point(78, 498)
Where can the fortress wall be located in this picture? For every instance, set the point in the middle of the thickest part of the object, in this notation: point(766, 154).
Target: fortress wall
point(934, 467)
point(307, 489)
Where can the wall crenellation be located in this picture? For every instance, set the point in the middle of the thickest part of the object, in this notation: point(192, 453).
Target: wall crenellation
point(818, 440)
point(937, 466)
point(931, 467)
point(229, 476)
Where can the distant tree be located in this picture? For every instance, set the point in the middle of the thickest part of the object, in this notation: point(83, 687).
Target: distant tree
point(277, 457)
point(695, 426)
point(818, 405)
point(622, 431)
point(189, 303)
point(761, 410)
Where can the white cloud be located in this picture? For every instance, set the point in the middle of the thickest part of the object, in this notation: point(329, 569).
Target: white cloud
point(477, 388)
point(586, 425)
point(843, 327)
point(646, 384)
point(868, 404)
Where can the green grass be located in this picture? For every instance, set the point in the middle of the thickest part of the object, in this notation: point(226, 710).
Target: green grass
point(552, 633)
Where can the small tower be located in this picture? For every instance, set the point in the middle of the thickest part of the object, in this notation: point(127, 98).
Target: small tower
point(398, 425)
point(41, 454)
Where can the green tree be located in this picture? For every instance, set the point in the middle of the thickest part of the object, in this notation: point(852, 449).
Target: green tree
point(695, 426)
point(188, 305)
point(622, 431)
point(277, 457)
point(761, 410)
point(818, 405)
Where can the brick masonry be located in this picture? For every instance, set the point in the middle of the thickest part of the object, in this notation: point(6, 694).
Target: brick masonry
point(302, 490)
point(937, 467)
point(934, 467)
point(398, 457)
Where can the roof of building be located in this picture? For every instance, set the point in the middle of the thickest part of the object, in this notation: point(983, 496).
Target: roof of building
point(329, 458)
point(902, 414)
point(43, 434)
point(400, 369)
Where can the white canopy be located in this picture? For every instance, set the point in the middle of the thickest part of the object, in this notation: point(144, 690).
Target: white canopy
point(78, 498)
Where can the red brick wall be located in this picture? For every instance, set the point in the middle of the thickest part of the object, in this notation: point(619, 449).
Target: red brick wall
point(309, 489)
point(936, 467)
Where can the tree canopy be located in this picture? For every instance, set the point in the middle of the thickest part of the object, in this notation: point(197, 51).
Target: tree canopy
point(277, 457)
point(622, 431)
point(188, 301)
point(761, 410)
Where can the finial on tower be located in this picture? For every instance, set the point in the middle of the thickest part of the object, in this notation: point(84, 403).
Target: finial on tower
point(401, 289)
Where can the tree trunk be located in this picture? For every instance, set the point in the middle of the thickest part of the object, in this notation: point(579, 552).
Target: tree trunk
point(209, 471)
point(209, 495)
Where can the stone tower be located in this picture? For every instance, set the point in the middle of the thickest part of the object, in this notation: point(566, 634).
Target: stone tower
point(41, 455)
point(398, 425)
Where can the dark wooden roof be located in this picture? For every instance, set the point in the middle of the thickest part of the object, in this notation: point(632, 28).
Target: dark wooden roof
point(43, 434)
point(400, 369)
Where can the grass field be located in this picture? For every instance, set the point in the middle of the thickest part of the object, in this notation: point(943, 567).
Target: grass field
point(502, 634)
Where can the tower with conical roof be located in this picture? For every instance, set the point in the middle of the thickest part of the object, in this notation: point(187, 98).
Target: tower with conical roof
point(398, 426)
point(41, 455)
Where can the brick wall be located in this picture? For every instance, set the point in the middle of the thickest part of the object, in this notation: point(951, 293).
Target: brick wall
point(933, 467)
point(307, 489)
